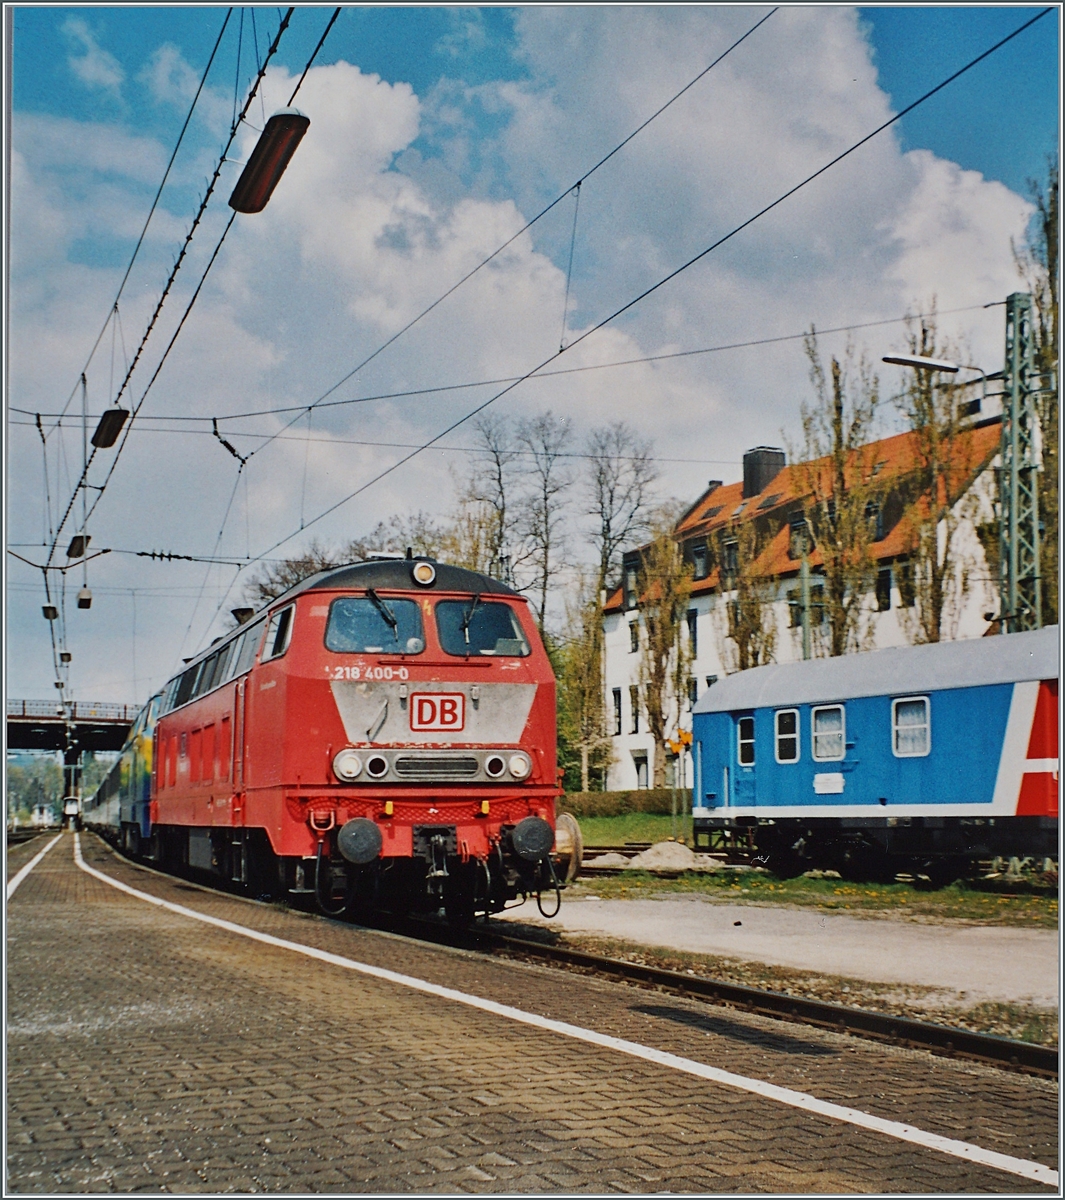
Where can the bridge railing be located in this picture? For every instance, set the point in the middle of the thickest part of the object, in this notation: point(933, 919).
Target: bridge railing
point(77, 710)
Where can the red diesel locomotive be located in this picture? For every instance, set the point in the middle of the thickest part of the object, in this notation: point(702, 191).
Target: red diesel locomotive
point(382, 735)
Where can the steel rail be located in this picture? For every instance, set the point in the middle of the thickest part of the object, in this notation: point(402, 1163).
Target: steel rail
point(943, 1040)
point(946, 1041)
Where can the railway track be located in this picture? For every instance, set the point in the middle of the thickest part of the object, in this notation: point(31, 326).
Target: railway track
point(947, 1041)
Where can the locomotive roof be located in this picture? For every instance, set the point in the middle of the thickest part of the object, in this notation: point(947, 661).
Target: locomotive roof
point(974, 662)
point(395, 573)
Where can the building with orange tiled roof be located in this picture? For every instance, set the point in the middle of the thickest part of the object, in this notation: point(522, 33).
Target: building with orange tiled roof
point(773, 496)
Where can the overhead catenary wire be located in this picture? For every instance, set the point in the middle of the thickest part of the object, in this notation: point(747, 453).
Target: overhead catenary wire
point(660, 283)
point(173, 274)
point(622, 362)
point(314, 55)
point(112, 312)
point(529, 224)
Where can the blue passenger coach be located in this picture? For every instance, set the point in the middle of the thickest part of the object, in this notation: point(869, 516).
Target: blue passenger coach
point(915, 758)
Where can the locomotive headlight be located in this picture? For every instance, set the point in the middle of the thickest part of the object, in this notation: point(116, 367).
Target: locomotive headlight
point(423, 573)
point(494, 766)
point(347, 765)
point(520, 765)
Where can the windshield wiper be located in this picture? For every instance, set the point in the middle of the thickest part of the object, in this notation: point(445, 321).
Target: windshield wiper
point(467, 618)
point(385, 611)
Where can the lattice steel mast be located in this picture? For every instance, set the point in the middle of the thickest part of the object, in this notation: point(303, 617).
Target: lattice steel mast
point(1019, 580)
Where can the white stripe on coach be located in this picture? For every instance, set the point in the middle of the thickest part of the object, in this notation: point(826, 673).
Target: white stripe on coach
point(13, 883)
point(1041, 766)
point(851, 1116)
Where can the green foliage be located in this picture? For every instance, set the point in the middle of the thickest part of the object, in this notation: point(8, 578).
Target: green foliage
point(632, 827)
point(616, 804)
point(39, 783)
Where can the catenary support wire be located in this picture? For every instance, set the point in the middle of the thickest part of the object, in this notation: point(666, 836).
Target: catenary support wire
point(529, 224)
point(661, 282)
point(569, 266)
point(155, 202)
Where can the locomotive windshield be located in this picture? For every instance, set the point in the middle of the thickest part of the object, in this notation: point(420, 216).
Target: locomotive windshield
point(375, 625)
point(476, 626)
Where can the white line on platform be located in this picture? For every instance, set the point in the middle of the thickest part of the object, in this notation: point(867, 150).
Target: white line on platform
point(13, 883)
point(1034, 1171)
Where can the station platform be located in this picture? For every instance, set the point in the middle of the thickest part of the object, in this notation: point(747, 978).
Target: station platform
point(221, 1045)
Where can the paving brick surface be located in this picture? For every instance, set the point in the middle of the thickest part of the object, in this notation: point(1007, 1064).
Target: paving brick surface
point(149, 1052)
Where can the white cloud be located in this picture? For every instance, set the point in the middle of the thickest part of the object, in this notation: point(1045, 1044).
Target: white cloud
point(363, 232)
point(95, 66)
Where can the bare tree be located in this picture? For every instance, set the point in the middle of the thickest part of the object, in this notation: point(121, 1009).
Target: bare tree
point(418, 532)
point(493, 484)
point(939, 573)
point(1038, 264)
point(581, 719)
point(619, 492)
point(274, 578)
point(548, 476)
point(748, 592)
point(836, 476)
point(664, 581)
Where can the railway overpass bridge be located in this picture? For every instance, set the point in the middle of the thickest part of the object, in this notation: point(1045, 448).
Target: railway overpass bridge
point(72, 729)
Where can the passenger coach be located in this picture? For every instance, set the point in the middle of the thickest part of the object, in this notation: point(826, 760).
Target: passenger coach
point(921, 757)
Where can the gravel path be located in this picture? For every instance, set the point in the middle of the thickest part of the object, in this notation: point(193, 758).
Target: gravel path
point(971, 963)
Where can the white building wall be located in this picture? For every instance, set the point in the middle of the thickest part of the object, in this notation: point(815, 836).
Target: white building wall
point(888, 629)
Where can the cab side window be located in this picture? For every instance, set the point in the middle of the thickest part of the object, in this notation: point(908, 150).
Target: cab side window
point(278, 633)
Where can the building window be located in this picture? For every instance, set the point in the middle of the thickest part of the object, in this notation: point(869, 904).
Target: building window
point(907, 590)
point(818, 613)
point(875, 518)
point(829, 732)
point(798, 539)
point(787, 730)
point(693, 691)
point(883, 589)
point(634, 701)
point(730, 557)
point(630, 587)
point(910, 728)
point(617, 712)
point(745, 741)
point(693, 632)
point(700, 561)
point(642, 782)
point(634, 637)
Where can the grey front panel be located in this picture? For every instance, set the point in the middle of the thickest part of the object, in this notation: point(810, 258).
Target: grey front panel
point(380, 714)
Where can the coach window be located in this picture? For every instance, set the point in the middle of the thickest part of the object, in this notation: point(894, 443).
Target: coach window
point(828, 733)
point(745, 741)
point(787, 727)
point(278, 633)
point(910, 727)
point(476, 627)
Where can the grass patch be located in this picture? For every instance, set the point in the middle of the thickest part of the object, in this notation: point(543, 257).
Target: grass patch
point(957, 902)
point(632, 827)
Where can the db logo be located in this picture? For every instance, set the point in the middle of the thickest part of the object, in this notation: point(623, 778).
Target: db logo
point(444, 711)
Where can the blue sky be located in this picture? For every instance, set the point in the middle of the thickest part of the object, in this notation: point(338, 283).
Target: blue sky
point(914, 47)
point(435, 135)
